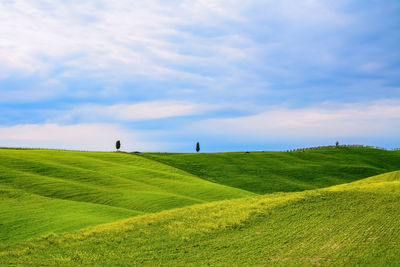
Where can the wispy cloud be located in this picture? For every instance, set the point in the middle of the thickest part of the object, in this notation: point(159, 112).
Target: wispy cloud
point(377, 122)
point(223, 45)
point(138, 111)
point(330, 121)
point(125, 37)
point(156, 38)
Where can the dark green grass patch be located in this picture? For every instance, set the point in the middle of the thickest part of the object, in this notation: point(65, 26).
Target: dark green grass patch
point(267, 172)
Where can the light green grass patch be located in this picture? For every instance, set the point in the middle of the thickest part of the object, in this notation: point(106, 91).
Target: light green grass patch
point(55, 191)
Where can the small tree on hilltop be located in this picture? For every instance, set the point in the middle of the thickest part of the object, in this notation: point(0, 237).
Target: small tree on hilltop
point(197, 147)
point(337, 143)
point(118, 145)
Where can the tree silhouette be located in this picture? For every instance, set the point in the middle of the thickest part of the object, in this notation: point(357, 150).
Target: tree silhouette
point(197, 147)
point(337, 143)
point(118, 145)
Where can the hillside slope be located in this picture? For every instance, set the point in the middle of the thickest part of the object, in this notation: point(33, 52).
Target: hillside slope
point(267, 172)
point(350, 224)
point(44, 191)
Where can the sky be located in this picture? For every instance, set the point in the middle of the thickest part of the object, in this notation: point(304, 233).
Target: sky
point(232, 75)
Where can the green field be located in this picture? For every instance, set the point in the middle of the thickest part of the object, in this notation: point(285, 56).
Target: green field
point(46, 191)
point(353, 224)
point(93, 208)
point(267, 172)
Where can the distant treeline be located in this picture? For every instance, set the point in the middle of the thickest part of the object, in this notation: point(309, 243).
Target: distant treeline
point(335, 146)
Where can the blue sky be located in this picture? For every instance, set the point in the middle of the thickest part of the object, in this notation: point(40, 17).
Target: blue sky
point(233, 75)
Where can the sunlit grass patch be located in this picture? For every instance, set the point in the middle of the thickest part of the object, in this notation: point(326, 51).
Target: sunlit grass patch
point(46, 191)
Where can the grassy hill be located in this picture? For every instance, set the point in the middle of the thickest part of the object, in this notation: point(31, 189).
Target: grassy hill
point(350, 224)
point(267, 172)
point(44, 191)
point(95, 208)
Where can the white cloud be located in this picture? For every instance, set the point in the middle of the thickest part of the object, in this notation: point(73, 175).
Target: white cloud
point(379, 119)
point(98, 137)
point(377, 122)
point(138, 111)
point(152, 110)
point(125, 37)
point(144, 37)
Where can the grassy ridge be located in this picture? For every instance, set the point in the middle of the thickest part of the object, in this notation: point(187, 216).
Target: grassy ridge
point(46, 191)
point(267, 172)
point(350, 224)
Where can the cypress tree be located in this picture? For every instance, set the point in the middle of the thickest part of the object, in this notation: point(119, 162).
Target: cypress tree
point(197, 147)
point(118, 145)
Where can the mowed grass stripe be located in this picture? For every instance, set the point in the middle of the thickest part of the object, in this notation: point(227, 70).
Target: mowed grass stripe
point(65, 188)
point(72, 174)
point(351, 224)
point(89, 193)
point(82, 173)
point(139, 180)
point(158, 178)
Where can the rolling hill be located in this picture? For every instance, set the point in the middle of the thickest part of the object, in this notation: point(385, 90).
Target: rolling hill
point(267, 172)
point(350, 224)
point(96, 208)
point(44, 191)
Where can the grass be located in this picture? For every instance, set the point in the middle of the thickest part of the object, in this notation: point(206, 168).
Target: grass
point(350, 224)
point(267, 172)
point(43, 191)
point(91, 208)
